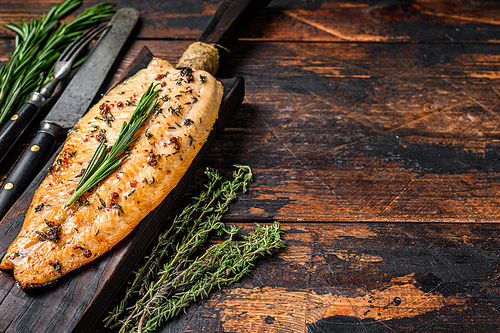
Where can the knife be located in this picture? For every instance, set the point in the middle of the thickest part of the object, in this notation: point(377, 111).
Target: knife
point(69, 108)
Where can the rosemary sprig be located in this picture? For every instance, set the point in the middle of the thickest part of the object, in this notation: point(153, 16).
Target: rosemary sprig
point(171, 279)
point(37, 46)
point(104, 161)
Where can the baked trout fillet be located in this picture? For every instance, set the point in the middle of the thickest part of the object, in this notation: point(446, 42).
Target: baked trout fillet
point(56, 239)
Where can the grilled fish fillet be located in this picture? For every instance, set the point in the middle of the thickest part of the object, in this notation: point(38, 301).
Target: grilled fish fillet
point(56, 239)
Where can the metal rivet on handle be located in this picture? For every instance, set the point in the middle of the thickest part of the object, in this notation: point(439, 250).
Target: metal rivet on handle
point(35, 148)
point(8, 186)
point(14, 117)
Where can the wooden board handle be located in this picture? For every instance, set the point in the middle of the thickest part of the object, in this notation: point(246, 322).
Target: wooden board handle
point(230, 20)
point(221, 33)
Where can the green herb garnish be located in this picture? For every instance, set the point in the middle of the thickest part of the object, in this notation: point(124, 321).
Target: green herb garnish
point(104, 161)
point(37, 46)
point(39, 207)
point(179, 271)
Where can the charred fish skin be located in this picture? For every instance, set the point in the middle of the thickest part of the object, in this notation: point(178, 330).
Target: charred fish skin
point(56, 239)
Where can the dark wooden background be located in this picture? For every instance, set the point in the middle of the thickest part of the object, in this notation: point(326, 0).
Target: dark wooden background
point(372, 128)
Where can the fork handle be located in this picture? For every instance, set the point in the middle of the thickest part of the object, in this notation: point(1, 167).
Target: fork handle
point(16, 125)
point(31, 161)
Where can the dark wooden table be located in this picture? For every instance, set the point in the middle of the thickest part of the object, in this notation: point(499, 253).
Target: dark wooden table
point(372, 128)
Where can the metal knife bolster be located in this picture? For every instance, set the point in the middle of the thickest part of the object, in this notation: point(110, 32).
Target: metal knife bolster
point(54, 129)
point(37, 99)
point(80, 92)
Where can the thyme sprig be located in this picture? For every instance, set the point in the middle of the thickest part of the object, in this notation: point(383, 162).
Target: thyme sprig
point(174, 276)
point(192, 213)
point(221, 265)
point(104, 161)
point(37, 46)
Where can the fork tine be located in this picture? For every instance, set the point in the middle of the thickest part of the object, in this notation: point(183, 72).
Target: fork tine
point(65, 62)
point(76, 41)
point(77, 46)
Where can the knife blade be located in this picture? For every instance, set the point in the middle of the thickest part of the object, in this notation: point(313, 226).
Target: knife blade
point(69, 108)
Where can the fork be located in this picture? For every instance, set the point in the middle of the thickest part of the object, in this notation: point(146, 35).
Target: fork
point(13, 129)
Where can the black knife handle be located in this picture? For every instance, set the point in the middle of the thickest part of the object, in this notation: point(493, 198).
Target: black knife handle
point(230, 19)
point(28, 166)
point(16, 125)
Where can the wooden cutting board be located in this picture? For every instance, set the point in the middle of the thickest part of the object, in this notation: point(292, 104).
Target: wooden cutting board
point(76, 301)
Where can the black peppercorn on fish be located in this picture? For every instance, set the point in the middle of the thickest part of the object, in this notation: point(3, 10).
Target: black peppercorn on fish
point(56, 239)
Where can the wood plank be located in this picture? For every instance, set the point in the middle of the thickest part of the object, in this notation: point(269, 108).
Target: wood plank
point(332, 21)
point(355, 111)
point(364, 132)
point(361, 277)
point(389, 21)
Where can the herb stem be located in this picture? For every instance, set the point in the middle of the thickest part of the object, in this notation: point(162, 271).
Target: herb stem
point(184, 279)
point(166, 241)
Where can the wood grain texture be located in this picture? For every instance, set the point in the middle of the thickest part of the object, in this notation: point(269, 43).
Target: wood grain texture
point(291, 20)
point(358, 277)
point(372, 131)
point(394, 132)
